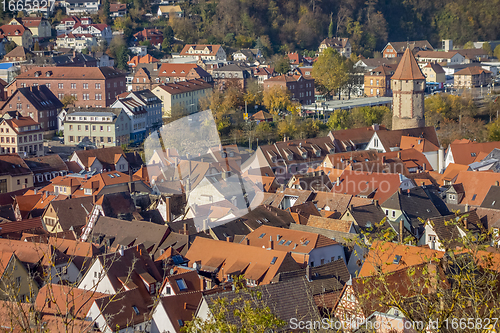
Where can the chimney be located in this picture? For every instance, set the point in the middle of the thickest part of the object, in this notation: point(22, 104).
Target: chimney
point(93, 199)
point(497, 183)
point(338, 181)
point(408, 192)
point(247, 241)
point(401, 228)
point(466, 223)
point(308, 273)
point(399, 154)
point(205, 225)
point(121, 250)
point(168, 210)
point(375, 202)
point(229, 239)
point(423, 167)
point(271, 243)
point(383, 159)
point(466, 208)
point(400, 190)
point(186, 229)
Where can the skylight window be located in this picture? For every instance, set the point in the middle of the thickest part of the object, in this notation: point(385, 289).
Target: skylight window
point(474, 197)
point(306, 242)
point(274, 260)
point(282, 242)
point(259, 221)
point(180, 322)
point(262, 236)
point(181, 284)
point(117, 175)
point(136, 310)
point(288, 243)
point(396, 260)
point(111, 176)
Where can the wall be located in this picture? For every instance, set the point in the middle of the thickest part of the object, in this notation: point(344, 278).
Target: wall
point(326, 253)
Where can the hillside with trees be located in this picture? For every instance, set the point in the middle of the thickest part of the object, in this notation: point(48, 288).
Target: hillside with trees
point(279, 26)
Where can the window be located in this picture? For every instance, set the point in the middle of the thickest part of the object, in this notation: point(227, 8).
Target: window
point(393, 213)
point(168, 290)
point(98, 86)
point(85, 86)
point(273, 261)
point(73, 86)
point(181, 284)
point(60, 86)
point(136, 310)
point(109, 139)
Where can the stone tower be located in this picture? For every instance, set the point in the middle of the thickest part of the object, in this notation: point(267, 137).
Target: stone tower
point(408, 85)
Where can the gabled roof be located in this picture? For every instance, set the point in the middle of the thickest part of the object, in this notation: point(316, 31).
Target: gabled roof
point(420, 144)
point(474, 70)
point(47, 163)
point(415, 203)
point(13, 30)
point(381, 257)
point(476, 185)
point(287, 240)
point(13, 165)
point(72, 213)
point(280, 297)
point(343, 238)
point(70, 73)
point(436, 54)
point(408, 68)
point(14, 229)
point(130, 233)
point(400, 47)
point(213, 49)
point(256, 263)
point(447, 227)
point(467, 152)
point(59, 299)
point(492, 198)
point(437, 68)
point(175, 70)
point(105, 155)
point(367, 216)
point(390, 139)
point(19, 51)
point(451, 172)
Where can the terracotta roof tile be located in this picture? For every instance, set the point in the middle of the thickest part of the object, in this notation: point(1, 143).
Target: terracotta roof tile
point(408, 68)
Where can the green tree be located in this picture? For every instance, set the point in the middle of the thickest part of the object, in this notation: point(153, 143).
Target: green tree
point(281, 64)
point(10, 46)
point(249, 311)
point(331, 28)
point(287, 127)
point(277, 99)
point(494, 130)
point(330, 71)
point(469, 45)
point(122, 57)
point(339, 120)
point(68, 100)
point(496, 53)
point(487, 48)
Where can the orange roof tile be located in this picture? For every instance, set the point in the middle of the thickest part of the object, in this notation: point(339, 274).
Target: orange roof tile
point(451, 172)
point(408, 68)
point(382, 255)
point(420, 144)
point(476, 185)
point(466, 153)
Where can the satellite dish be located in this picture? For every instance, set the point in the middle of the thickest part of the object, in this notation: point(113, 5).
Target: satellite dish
point(327, 208)
point(195, 266)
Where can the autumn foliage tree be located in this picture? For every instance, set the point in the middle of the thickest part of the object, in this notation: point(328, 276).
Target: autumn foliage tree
point(277, 99)
point(330, 72)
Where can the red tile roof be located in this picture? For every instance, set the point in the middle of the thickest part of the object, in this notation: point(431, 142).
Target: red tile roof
point(474, 70)
point(466, 153)
point(408, 68)
point(476, 185)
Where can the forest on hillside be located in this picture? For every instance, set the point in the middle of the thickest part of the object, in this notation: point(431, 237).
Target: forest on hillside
point(279, 26)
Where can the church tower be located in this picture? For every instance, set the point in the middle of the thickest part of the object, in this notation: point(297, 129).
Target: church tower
point(408, 85)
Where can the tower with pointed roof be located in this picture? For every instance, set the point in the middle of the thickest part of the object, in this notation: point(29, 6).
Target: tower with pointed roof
point(408, 85)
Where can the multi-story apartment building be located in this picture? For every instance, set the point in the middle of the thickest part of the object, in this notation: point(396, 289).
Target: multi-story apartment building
point(91, 86)
point(378, 81)
point(36, 102)
point(471, 77)
point(20, 134)
point(14, 173)
point(203, 52)
point(106, 127)
point(152, 104)
point(300, 87)
point(182, 96)
point(138, 117)
point(77, 42)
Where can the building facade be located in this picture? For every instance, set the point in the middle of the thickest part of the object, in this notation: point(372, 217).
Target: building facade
point(36, 102)
point(106, 127)
point(183, 97)
point(378, 81)
point(301, 88)
point(471, 77)
point(20, 134)
point(137, 114)
point(91, 86)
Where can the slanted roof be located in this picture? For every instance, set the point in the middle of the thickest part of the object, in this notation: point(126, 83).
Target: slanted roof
point(19, 52)
point(467, 152)
point(476, 185)
point(391, 139)
point(262, 264)
point(447, 227)
point(492, 198)
point(72, 213)
point(367, 216)
point(381, 257)
point(474, 70)
point(408, 68)
point(181, 308)
point(328, 223)
point(281, 297)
